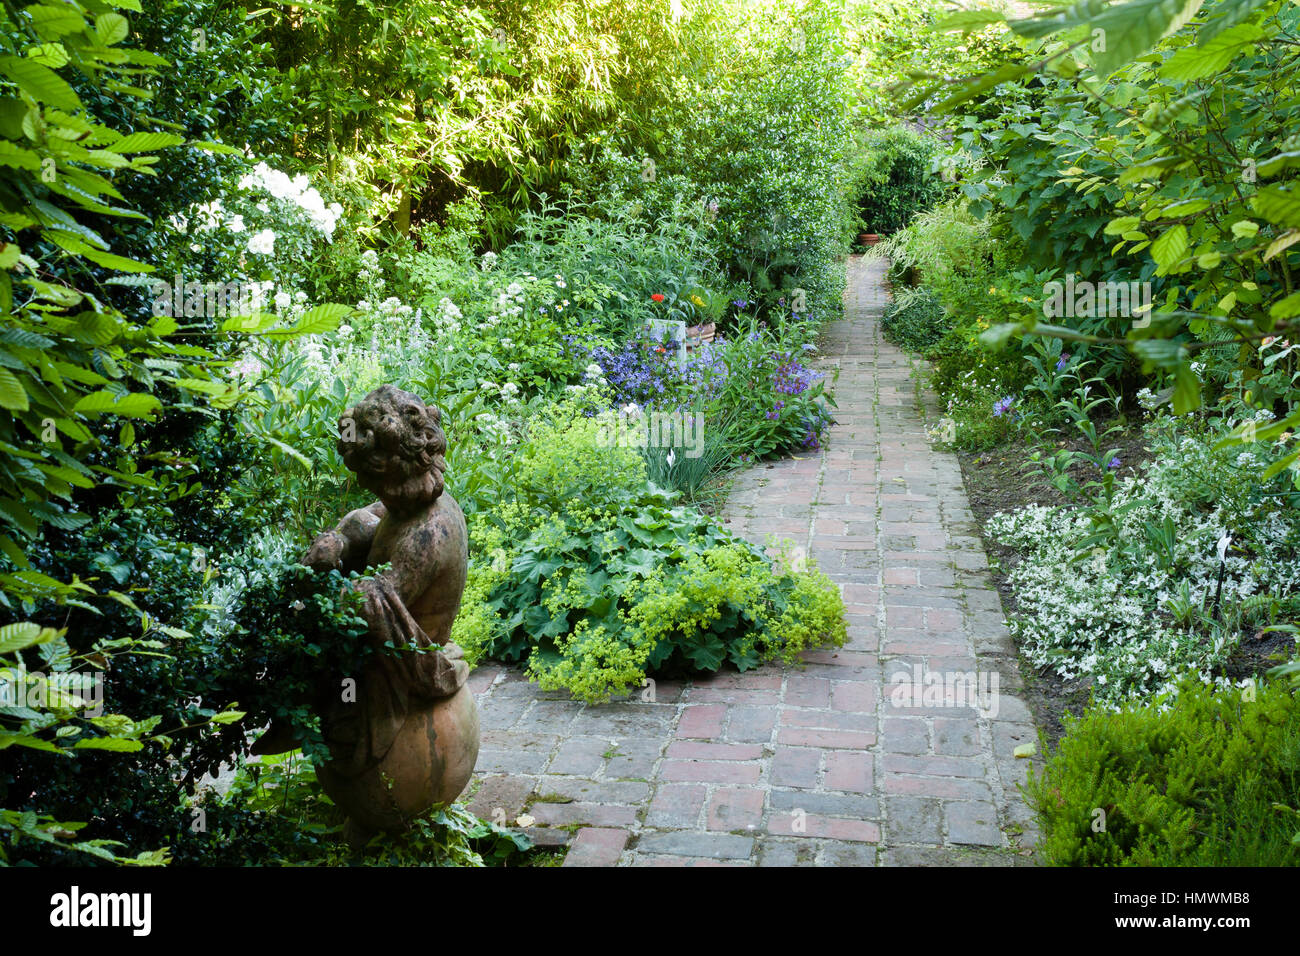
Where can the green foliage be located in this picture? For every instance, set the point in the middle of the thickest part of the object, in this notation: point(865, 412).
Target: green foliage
point(597, 578)
point(309, 829)
point(893, 42)
point(756, 135)
point(415, 106)
point(68, 357)
point(1122, 588)
point(1045, 168)
point(894, 179)
point(57, 697)
point(1211, 226)
point(915, 320)
point(1212, 779)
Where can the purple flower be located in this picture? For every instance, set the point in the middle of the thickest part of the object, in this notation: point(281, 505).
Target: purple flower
point(1114, 463)
point(1002, 406)
point(792, 377)
point(1060, 363)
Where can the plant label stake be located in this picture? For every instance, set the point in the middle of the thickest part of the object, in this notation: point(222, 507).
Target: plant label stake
point(1218, 588)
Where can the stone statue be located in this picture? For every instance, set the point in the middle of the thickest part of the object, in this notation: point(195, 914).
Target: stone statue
point(410, 737)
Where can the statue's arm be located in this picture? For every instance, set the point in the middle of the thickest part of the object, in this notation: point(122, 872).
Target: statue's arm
point(411, 571)
point(434, 551)
point(346, 547)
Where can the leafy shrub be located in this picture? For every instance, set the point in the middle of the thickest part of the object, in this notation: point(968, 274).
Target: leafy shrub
point(894, 179)
point(283, 790)
point(948, 251)
point(764, 373)
point(596, 578)
point(759, 136)
point(1122, 590)
point(893, 41)
point(1212, 779)
point(915, 320)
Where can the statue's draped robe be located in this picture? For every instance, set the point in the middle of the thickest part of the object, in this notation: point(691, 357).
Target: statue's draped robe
point(391, 685)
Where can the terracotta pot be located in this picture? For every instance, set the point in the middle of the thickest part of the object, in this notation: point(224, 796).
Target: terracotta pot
point(868, 238)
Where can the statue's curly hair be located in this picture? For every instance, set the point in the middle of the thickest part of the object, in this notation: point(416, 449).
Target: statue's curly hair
point(395, 444)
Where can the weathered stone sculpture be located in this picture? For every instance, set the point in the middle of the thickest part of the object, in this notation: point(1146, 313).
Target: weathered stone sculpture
point(410, 738)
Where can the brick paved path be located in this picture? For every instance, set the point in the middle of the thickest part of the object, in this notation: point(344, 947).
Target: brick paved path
point(834, 764)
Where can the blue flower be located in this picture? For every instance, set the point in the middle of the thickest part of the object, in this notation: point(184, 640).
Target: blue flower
point(1002, 406)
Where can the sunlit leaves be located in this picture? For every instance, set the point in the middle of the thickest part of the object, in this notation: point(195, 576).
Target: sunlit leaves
point(1170, 247)
point(39, 82)
point(1127, 29)
point(132, 405)
point(1197, 62)
point(1278, 204)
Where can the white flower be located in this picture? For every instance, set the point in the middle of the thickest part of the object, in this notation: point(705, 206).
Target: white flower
point(283, 300)
point(488, 261)
point(364, 305)
point(262, 243)
point(370, 259)
point(247, 367)
point(236, 224)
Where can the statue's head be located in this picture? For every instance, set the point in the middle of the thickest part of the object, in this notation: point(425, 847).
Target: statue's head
point(395, 444)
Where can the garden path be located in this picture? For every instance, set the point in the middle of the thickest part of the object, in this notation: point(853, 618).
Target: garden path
point(830, 764)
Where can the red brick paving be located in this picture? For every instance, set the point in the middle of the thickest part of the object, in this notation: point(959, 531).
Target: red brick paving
point(836, 764)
